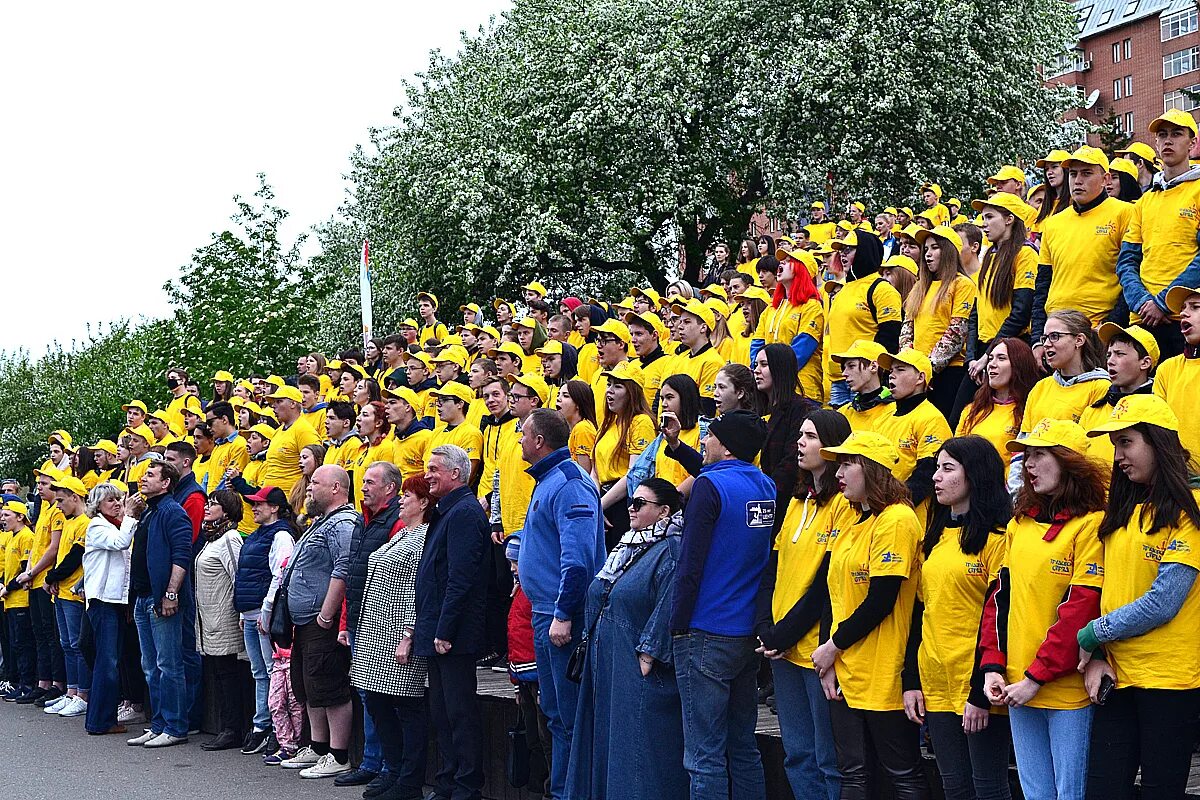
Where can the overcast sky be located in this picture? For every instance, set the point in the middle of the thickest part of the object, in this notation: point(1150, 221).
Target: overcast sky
point(128, 128)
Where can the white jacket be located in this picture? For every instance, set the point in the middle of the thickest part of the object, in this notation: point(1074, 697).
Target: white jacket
point(106, 555)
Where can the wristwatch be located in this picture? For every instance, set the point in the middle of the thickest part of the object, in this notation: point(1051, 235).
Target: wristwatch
point(172, 596)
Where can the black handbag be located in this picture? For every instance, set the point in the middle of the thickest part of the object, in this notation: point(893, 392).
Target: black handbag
point(578, 660)
point(517, 767)
point(281, 628)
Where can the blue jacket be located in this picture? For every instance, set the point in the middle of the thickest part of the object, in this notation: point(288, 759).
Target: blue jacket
point(168, 544)
point(452, 578)
point(562, 543)
point(253, 577)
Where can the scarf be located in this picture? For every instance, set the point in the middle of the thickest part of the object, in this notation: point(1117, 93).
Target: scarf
point(634, 541)
point(215, 530)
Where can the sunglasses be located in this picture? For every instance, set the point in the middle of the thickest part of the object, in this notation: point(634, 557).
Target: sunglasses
point(638, 503)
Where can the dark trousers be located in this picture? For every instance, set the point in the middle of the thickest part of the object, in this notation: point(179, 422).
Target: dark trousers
point(943, 389)
point(617, 516)
point(1153, 729)
point(108, 630)
point(228, 679)
point(537, 737)
point(500, 586)
point(21, 655)
point(894, 740)
point(50, 663)
point(129, 669)
point(975, 766)
point(400, 723)
point(7, 672)
point(966, 396)
point(454, 708)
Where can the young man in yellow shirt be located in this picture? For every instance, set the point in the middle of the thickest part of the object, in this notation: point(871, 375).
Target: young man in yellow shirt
point(229, 448)
point(820, 229)
point(698, 359)
point(21, 649)
point(870, 402)
point(452, 400)
point(294, 434)
point(410, 434)
point(312, 402)
point(931, 195)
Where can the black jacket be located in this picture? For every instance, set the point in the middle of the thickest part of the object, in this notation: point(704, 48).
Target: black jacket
point(452, 577)
point(371, 533)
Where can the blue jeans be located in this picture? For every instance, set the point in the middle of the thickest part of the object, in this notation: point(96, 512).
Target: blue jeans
point(372, 759)
point(809, 760)
point(558, 695)
point(717, 686)
point(70, 622)
point(108, 634)
point(161, 640)
point(262, 659)
point(839, 393)
point(1052, 751)
point(193, 673)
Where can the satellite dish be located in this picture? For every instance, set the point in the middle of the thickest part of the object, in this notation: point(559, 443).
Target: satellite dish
point(1092, 98)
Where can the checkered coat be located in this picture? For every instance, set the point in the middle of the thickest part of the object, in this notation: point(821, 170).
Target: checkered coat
point(389, 607)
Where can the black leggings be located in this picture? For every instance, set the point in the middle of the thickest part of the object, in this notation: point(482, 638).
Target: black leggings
point(1149, 728)
point(895, 742)
point(943, 390)
point(50, 663)
point(401, 724)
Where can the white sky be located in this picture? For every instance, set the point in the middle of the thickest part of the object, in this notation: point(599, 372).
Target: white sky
point(128, 127)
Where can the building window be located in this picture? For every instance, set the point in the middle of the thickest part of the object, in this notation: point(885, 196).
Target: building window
point(1116, 52)
point(1181, 61)
point(1179, 24)
point(1129, 86)
point(1129, 48)
point(1105, 18)
point(1180, 101)
point(1083, 16)
point(1117, 89)
point(1069, 61)
point(1129, 122)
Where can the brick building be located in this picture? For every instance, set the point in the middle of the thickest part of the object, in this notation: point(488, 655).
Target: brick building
point(1138, 55)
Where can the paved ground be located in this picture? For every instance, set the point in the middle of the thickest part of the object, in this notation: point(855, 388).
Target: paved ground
point(49, 758)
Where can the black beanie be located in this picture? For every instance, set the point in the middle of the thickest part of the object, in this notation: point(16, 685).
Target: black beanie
point(742, 433)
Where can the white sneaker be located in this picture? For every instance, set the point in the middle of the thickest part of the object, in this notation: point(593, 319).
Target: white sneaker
point(327, 767)
point(76, 707)
point(130, 715)
point(138, 741)
point(305, 757)
point(59, 704)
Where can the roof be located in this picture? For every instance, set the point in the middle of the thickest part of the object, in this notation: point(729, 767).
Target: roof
point(1100, 16)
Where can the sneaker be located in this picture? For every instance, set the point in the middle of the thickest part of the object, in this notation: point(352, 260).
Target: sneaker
point(356, 777)
point(272, 745)
point(31, 697)
point(49, 696)
point(488, 660)
point(14, 692)
point(75, 708)
point(326, 767)
point(130, 715)
point(138, 741)
point(59, 704)
point(305, 757)
point(6, 687)
point(255, 742)
point(276, 758)
point(166, 740)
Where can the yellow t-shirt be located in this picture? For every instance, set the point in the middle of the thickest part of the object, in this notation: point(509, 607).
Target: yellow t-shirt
point(582, 440)
point(991, 317)
point(1048, 400)
point(1177, 382)
point(1082, 249)
point(877, 545)
point(74, 532)
point(653, 374)
point(283, 456)
point(463, 435)
point(608, 466)
point(783, 324)
point(253, 473)
point(589, 365)
point(953, 586)
point(702, 367)
point(233, 453)
point(804, 538)
point(137, 470)
point(934, 319)
point(493, 437)
point(1039, 574)
point(408, 453)
point(437, 331)
point(345, 454)
point(940, 214)
point(1156, 659)
point(1165, 225)
point(820, 232)
point(870, 419)
point(368, 454)
point(49, 520)
point(849, 318)
point(17, 548)
point(316, 420)
point(999, 427)
point(668, 468)
point(917, 434)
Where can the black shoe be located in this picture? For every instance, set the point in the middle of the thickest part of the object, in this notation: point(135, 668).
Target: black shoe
point(255, 742)
point(488, 660)
point(225, 740)
point(398, 792)
point(272, 745)
point(51, 695)
point(355, 777)
point(381, 784)
point(30, 697)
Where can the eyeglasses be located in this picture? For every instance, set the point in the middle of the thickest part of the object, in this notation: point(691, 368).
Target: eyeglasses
point(638, 503)
point(211, 502)
point(1054, 336)
point(607, 340)
point(515, 396)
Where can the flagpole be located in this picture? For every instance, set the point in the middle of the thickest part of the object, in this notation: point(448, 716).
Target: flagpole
point(364, 292)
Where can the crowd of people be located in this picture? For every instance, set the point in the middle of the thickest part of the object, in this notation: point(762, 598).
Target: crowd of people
point(926, 482)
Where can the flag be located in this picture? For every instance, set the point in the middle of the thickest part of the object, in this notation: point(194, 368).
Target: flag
point(364, 293)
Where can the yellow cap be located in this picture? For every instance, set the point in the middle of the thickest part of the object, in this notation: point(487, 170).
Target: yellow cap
point(533, 383)
point(455, 354)
point(755, 293)
point(16, 507)
point(1177, 296)
point(851, 240)
point(1123, 165)
point(868, 444)
point(1138, 408)
point(902, 262)
point(264, 430)
point(403, 393)
point(817, 204)
point(124, 487)
point(626, 371)
point(1053, 433)
point(456, 390)
point(191, 404)
point(286, 393)
point(53, 473)
point(408, 322)
point(472, 307)
point(859, 206)
point(698, 310)
point(106, 445)
point(144, 432)
point(933, 187)
point(1140, 335)
point(491, 331)
point(511, 348)
point(940, 232)
point(911, 230)
point(1142, 151)
point(62, 437)
point(430, 296)
point(536, 288)
point(1008, 173)
point(907, 211)
point(714, 290)
point(648, 320)
point(806, 258)
point(615, 328)
point(1181, 119)
point(1087, 155)
point(552, 347)
point(138, 404)
point(654, 297)
point(500, 302)
point(954, 201)
point(845, 225)
point(625, 304)
point(276, 381)
point(223, 375)
point(833, 282)
point(914, 358)
point(1054, 157)
point(1010, 203)
point(245, 385)
point(525, 322)
point(719, 306)
point(424, 359)
point(862, 348)
point(70, 484)
point(823, 249)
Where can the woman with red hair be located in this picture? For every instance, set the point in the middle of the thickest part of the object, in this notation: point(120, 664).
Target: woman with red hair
point(796, 319)
point(373, 427)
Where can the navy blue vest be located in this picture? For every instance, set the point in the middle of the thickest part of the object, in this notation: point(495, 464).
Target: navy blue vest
point(254, 568)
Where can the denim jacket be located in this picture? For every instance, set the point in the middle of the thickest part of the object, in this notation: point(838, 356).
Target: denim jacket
point(321, 555)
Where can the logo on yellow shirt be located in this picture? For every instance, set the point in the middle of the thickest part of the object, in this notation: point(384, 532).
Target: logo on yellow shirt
point(907, 443)
point(890, 557)
point(1093, 569)
point(1105, 230)
point(1187, 212)
point(974, 567)
point(1179, 546)
point(861, 575)
point(1061, 566)
point(1151, 553)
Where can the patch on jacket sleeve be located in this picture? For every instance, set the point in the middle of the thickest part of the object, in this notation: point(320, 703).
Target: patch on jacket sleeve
point(760, 513)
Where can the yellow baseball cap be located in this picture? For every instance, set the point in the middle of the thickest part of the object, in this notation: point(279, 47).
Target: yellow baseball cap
point(697, 310)
point(755, 293)
point(862, 348)
point(511, 348)
point(455, 354)
point(902, 262)
point(1052, 433)
point(53, 473)
point(859, 206)
point(1138, 408)
point(138, 404)
point(535, 384)
point(614, 327)
point(491, 331)
point(913, 358)
point(626, 371)
point(472, 307)
point(16, 507)
point(1139, 334)
point(1010, 203)
point(456, 390)
point(624, 304)
point(536, 288)
point(1087, 155)
point(124, 487)
point(954, 201)
point(143, 431)
point(1008, 173)
point(223, 375)
point(1142, 151)
point(276, 381)
point(714, 290)
point(648, 320)
point(1054, 157)
point(62, 437)
point(907, 211)
point(805, 257)
point(823, 249)
point(654, 297)
point(105, 445)
point(424, 358)
point(933, 187)
point(1177, 296)
point(1182, 119)
point(191, 405)
point(552, 347)
point(525, 322)
point(408, 322)
point(845, 225)
point(817, 204)
point(403, 393)
point(264, 430)
point(70, 484)
point(868, 444)
point(430, 296)
point(851, 240)
point(286, 393)
point(1123, 165)
point(940, 232)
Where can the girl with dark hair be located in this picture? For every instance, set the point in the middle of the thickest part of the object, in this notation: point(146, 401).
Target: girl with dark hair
point(222, 389)
point(560, 362)
point(578, 405)
point(679, 398)
point(366, 391)
point(625, 432)
point(628, 673)
point(1048, 588)
point(751, 308)
point(775, 378)
point(373, 350)
point(961, 554)
point(1057, 188)
point(736, 388)
point(996, 411)
point(587, 317)
point(795, 581)
point(871, 599)
point(796, 319)
point(1150, 605)
point(1122, 181)
point(83, 466)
